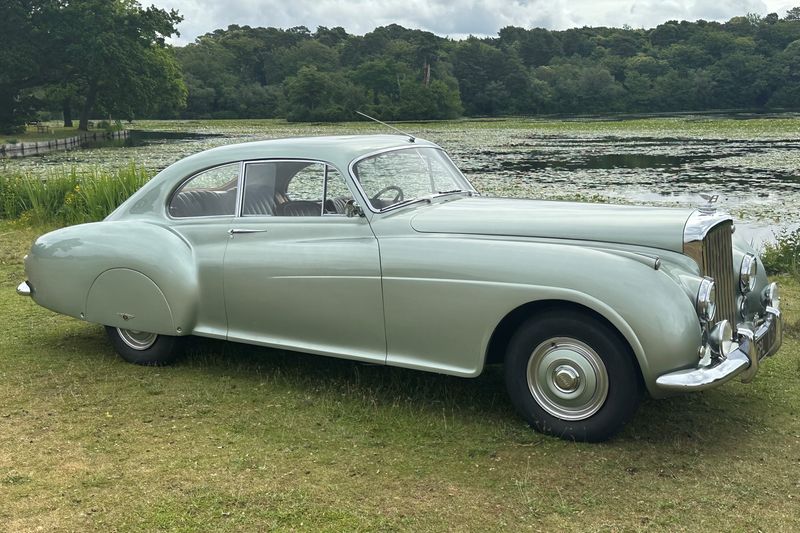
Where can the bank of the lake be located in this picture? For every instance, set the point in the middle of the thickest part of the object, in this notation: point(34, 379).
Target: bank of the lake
point(751, 161)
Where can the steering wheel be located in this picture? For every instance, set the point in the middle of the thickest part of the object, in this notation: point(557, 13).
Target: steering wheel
point(398, 196)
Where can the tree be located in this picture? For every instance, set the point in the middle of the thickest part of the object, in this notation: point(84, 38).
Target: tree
point(787, 78)
point(23, 59)
point(313, 95)
point(114, 52)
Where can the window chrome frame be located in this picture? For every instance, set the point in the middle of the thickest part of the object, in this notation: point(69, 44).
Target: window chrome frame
point(187, 179)
point(327, 166)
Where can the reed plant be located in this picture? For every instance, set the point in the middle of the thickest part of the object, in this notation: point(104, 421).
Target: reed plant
point(66, 196)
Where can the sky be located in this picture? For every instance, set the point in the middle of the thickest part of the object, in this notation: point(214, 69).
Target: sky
point(453, 18)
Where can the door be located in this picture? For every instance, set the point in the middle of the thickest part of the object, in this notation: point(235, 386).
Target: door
point(298, 273)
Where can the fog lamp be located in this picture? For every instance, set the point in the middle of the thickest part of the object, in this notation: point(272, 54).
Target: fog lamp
point(721, 338)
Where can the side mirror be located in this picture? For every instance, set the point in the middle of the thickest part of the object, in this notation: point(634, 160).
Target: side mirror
point(352, 209)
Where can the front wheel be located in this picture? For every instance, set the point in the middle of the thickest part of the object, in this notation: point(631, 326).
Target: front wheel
point(143, 348)
point(570, 375)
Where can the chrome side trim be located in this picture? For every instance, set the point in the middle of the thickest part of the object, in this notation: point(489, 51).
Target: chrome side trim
point(23, 289)
point(241, 231)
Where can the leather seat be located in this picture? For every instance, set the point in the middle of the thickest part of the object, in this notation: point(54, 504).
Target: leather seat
point(202, 203)
point(298, 208)
point(337, 205)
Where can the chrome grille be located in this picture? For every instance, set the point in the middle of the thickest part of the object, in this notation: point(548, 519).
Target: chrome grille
point(718, 263)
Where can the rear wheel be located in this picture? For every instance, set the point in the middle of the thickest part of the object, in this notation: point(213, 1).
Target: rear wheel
point(143, 348)
point(570, 375)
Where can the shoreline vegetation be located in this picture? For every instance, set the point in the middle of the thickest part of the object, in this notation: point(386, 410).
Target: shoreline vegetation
point(66, 196)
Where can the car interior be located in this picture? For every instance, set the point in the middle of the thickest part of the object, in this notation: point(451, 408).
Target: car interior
point(284, 188)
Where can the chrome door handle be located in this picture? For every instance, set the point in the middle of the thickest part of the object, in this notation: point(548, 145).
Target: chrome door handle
point(236, 231)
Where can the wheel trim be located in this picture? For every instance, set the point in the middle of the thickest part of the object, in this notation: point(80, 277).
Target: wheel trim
point(137, 340)
point(567, 378)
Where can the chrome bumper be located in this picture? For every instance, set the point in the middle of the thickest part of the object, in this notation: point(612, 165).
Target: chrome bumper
point(744, 360)
point(23, 289)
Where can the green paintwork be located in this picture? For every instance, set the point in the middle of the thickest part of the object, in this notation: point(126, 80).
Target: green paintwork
point(423, 286)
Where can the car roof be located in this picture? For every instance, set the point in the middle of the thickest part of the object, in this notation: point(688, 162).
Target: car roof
point(339, 149)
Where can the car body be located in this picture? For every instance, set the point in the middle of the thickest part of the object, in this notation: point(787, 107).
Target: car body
point(377, 249)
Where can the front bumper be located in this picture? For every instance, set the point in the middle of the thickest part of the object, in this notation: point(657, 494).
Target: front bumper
point(754, 345)
point(24, 289)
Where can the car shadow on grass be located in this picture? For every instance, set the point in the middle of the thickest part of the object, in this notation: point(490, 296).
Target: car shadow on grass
point(725, 417)
point(717, 416)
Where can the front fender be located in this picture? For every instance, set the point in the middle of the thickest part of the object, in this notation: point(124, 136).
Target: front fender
point(445, 296)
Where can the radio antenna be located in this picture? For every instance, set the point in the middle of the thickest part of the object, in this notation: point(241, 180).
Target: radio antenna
point(411, 138)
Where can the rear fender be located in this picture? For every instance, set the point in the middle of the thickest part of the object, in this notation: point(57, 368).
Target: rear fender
point(103, 270)
point(125, 298)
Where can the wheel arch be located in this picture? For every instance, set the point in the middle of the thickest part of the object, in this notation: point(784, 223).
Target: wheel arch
point(510, 323)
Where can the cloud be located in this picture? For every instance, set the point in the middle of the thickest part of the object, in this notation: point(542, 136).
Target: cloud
point(454, 18)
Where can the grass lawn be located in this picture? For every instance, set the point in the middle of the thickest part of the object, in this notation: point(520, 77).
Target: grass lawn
point(32, 135)
point(235, 438)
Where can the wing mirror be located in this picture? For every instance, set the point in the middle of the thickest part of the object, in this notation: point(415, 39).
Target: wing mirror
point(352, 209)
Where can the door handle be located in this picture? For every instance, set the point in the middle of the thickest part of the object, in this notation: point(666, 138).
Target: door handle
point(237, 231)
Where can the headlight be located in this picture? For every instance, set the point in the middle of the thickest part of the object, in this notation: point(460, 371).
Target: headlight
point(706, 302)
point(771, 297)
point(747, 273)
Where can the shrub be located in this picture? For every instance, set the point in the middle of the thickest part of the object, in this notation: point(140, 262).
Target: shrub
point(783, 256)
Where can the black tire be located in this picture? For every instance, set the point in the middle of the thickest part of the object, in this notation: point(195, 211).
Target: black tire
point(142, 348)
point(570, 355)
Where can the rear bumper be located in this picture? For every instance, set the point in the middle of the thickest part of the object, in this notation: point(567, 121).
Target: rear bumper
point(754, 345)
point(24, 289)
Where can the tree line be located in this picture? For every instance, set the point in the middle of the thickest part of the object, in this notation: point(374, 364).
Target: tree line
point(110, 57)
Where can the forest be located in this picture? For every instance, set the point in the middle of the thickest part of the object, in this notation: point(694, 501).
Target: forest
point(113, 59)
point(749, 62)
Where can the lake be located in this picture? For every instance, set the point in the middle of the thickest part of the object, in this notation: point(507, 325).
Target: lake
point(752, 162)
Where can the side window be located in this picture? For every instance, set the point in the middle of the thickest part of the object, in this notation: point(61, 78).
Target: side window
point(336, 193)
point(293, 188)
point(209, 193)
point(260, 194)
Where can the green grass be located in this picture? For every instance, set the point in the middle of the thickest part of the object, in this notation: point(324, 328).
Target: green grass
point(32, 134)
point(235, 438)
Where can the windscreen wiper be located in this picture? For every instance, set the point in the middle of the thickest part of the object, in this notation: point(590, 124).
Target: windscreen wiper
point(452, 191)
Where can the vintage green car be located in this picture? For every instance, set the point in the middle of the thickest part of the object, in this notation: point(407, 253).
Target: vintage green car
point(376, 248)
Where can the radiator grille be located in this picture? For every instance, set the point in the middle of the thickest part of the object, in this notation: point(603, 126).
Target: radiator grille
point(718, 263)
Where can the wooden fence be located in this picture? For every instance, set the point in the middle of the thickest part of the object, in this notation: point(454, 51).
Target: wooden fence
point(70, 143)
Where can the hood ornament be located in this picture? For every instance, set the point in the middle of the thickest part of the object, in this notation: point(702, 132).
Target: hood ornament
point(709, 207)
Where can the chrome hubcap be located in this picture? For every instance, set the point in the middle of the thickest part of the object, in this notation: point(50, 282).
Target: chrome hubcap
point(567, 378)
point(138, 340)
